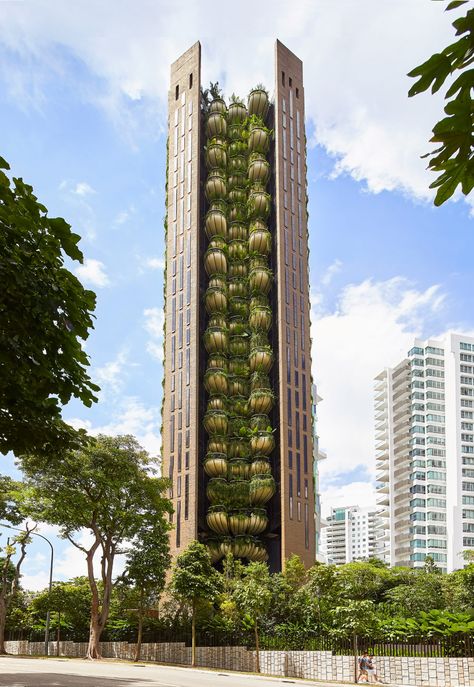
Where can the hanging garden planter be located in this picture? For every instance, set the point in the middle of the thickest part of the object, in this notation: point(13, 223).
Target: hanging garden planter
point(237, 113)
point(218, 105)
point(260, 553)
point(239, 522)
point(236, 181)
point(216, 125)
point(216, 340)
point(259, 140)
point(239, 406)
point(260, 280)
point(262, 488)
point(237, 164)
point(226, 546)
point(260, 381)
point(215, 187)
point(217, 520)
point(238, 286)
point(238, 249)
point(260, 465)
point(217, 360)
point(235, 132)
point(239, 366)
point(260, 241)
point(215, 261)
point(214, 548)
point(239, 491)
point(237, 268)
point(238, 212)
point(261, 401)
point(215, 464)
point(241, 546)
point(260, 318)
point(215, 381)
point(237, 195)
point(239, 427)
point(215, 422)
point(258, 169)
point(259, 205)
point(217, 443)
point(260, 421)
point(217, 491)
point(239, 345)
point(263, 442)
point(237, 230)
point(238, 386)
point(215, 300)
point(217, 403)
point(216, 224)
point(238, 469)
point(218, 281)
point(216, 156)
point(238, 447)
point(261, 359)
point(258, 102)
point(238, 306)
point(237, 148)
point(258, 521)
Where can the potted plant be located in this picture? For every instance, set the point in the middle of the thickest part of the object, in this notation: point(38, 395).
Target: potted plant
point(237, 268)
point(237, 286)
point(216, 125)
point(238, 447)
point(238, 306)
point(239, 345)
point(262, 488)
point(260, 241)
point(261, 401)
point(261, 359)
point(258, 169)
point(226, 546)
point(239, 491)
point(216, 223)
point(215, 300)
point(237, 148)
point(262, 442)
point(258, 521)
point(217, 491)
point(260, 465)
point(238, 469)
point(218, 281)
point(217, 443)
point(216, 340)
point(218, 361)
point(215, 261)
point(238, 249)
point(216, 422)
point(218, 105)
point(236, 181)
point(215, 186)
point(237, 164)
point(237, 212)
point(239, 365)
point(238, 386)
point(215, 464)
point(237, 195)
point(259, 138)
point(258, 101)
point(239, 406)
point(216, 156)
point(237, 230)
point(217, 520)
point(258, 204)
point(214, 548)
point(259, 421)
point(215, 381)
point(235, 132)
point(260, 280)
point(260, 318)
point(239, 522)
point(217, 402)
point(237, 112)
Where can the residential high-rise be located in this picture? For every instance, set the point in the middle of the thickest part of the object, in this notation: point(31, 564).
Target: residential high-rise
point(424, 424)
point(348, 535)
point(318, 455)
point(237, 410)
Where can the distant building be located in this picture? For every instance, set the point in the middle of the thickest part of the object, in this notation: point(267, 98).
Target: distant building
point(424, 426)
point(348, 535)
point(318, 455)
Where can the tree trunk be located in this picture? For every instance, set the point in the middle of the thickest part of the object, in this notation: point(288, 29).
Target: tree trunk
point(139, 636)
point(356, 658)
point(93, 649)
point(257, 649)
point(193, 636)
point(3, 613)
point(58, 633)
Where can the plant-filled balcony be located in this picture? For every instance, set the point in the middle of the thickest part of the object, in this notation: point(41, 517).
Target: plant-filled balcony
point(235, 132)
point(216, 223)
point(238, 249)
point(241, 546)
point(260, 380)
point(226, 546)
point(262, 442)
point(262, 488)
point(215, 381)
point(216, 422)
point(238, 268)
point(261, 359)
point(217, 519)
point(237, 148)
point(215, 464)
point(238, 447)
point(261, 401)
point(218, 105)
point(217, 360)
point(215, 186)
point(216, 340)
point(237, 164)
point(259, 138)
point(237, 112)
point(237, 195)
point(217, 443)
point(238, 386)
point(259, 553)
point(258, 521)
point(236, 181)
point(237, 230)
point(259, 204)
point(214, 548)
point(238, 492)
point(215, 261)
point(260, 280)
point(260, 242)
point(218, 491)
point(239, 345)
point(215, 300)
point(216, 156)
point(238, 405)
point(239, 522)
point(237, 286)
point(238, 469)
point(260, 465)
point(260, 422)
point(260, 317)
point(258, 101)
point(216, 125)
point(238, 212)
point(239, 366)
point(217, 402)
point(238, 306)
point(258, 170)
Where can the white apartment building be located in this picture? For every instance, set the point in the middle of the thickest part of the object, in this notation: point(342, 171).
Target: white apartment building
point(348, 535)
point(318, 455)
point(424, 434)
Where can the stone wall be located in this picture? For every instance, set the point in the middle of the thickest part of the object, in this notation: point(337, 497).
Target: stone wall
point(312, 665)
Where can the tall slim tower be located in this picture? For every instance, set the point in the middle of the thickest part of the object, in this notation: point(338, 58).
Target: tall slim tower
point(237, 409)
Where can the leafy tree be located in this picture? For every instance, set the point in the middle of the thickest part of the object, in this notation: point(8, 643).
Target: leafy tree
point(195, 579)
point(454, 158)
point(9, 494)
point(362, 580)
point(70, 602)
point(146, 565)
point(106, 488)
point(325, 589)
point(10, 576)
point(44, 314)
point(253, 596)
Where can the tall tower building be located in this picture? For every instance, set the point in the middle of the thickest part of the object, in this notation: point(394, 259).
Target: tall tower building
point(424, 425)
point(348, 535)
point(237, 409)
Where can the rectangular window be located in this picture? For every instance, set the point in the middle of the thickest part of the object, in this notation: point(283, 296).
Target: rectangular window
point(178, 524)
point(186, 497)
point(298, 475)
point(305, 454)
point(290, 492)
point(290, 459)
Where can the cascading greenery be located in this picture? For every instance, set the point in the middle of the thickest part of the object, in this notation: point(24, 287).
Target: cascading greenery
point(240, 398)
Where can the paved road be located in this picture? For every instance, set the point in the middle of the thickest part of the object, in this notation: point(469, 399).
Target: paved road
point(30, 672)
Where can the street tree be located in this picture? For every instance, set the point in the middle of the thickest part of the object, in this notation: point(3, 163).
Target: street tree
point(45, 315)
point(454, 158)
point(10, 572)
point(107, 489)
point(195, 579)
point(147, 561)
point(253, 596)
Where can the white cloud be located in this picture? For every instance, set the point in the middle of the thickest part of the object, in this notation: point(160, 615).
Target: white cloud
point(356, 83)
point(330, 272)
point(110, 375)
point(154, 325)
point(155, 263)
point(353, 494)
point(93, 272)
point(82, 188)
point(371, 327)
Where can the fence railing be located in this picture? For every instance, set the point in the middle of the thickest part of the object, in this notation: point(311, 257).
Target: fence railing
point(458, 645)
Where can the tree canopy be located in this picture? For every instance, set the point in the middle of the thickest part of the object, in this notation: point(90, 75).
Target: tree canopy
point(454, 158)
point(45, 314)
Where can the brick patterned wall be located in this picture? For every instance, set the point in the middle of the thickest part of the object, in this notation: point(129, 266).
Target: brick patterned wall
point(312, 665)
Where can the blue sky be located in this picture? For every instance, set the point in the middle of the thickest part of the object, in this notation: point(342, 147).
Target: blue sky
point(83, 111)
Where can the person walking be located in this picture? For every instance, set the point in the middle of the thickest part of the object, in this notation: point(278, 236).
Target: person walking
point(363, 673)
point(372, 670)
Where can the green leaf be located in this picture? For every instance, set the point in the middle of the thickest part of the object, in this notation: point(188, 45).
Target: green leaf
point(454, 4)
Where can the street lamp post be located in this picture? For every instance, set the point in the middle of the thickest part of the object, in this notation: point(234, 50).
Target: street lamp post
point(48, 612)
